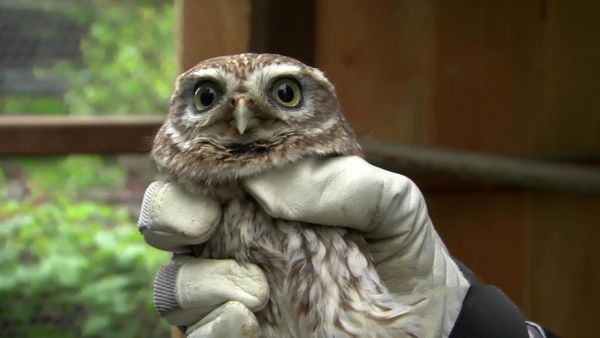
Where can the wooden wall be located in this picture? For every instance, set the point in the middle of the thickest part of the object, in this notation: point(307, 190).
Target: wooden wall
point(505, 77)
point(509, 77)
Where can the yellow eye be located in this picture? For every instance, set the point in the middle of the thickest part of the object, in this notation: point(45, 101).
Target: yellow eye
point(287, 92)
point(205, 95)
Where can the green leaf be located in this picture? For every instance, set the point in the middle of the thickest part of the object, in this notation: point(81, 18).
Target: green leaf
point(96, 325)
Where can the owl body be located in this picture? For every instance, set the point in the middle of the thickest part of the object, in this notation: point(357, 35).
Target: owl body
point(236, 116)
point(322, 282)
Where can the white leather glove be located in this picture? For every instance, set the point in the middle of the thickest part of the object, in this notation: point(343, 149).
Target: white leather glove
point(390, 212)
point(215, 297)
point(347, 191)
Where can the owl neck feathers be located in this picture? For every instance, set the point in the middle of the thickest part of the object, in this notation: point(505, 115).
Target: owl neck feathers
point(217, 171)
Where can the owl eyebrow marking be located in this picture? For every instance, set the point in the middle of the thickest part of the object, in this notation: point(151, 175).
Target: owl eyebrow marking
point(226, 78)
point(270, 71)
point(207, 72)
point(260, 78)
point(318, 74)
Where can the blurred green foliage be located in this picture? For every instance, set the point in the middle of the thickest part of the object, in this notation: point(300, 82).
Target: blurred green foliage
point(74, 267)
point(81, 264)
point(129, 59)
point(128, 64)
point(65, 176)
point(36, 105)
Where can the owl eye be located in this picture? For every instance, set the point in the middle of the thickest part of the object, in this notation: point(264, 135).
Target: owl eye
point(287, 92)
point(205, 95)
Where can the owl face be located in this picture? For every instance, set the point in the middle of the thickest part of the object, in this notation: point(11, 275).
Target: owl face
point(234, 116)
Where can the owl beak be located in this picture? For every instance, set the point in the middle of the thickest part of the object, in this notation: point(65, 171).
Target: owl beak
point(241, 115)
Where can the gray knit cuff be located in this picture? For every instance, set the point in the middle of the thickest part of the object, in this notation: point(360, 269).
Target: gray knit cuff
point(165, 299)
point(146, 210)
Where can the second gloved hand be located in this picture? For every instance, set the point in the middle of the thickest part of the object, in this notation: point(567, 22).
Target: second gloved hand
point(214, 298)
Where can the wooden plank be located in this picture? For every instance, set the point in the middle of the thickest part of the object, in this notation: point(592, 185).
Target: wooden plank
point(284, 27)
point(379, 55)
point(569, 122)
point(211, 28)
point(487, 79)
point(490, 233)
point(506, 77)
point(8, 122)
point(565, 264)
point(55, 135)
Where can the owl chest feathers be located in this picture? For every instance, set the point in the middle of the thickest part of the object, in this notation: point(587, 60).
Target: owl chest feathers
point(322, 282)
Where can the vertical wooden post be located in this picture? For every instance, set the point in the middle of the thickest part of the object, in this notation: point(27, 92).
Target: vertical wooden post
point(208, 28)
point(284, 27)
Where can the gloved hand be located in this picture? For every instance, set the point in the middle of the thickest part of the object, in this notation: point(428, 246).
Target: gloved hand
point(345, 191)
point(215, 297)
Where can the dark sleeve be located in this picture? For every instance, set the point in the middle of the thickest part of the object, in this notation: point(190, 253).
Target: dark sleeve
point(467, 273)
point(487, 312)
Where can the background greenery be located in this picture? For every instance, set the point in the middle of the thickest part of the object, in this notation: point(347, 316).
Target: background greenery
point(128, 61)
point(70, 264)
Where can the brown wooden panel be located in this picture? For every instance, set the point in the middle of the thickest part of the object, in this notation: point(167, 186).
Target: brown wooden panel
point(379, 54)
point(52, 135)
point(569, 123)
point(565, 276)
point(490, 233)
point(284, 27)
point(211, 28)
point(509, 77)
point(487, 75)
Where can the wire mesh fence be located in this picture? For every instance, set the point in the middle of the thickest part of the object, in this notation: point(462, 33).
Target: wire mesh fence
point(72, 262)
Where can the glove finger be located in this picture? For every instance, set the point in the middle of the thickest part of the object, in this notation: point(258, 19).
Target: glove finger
point(341, 191)
point(172, 219)
point(189, 288)
point(231, 319)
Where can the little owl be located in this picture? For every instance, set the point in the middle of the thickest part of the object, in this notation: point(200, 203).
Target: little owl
point(235, 116)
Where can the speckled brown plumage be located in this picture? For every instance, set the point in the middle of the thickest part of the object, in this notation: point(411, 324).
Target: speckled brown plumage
point(322, 280)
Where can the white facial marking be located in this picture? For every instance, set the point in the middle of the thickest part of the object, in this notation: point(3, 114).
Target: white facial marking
point(228, 80)
point(177, 138)
point(259, 79)
point(330, 123)
point(318, 74)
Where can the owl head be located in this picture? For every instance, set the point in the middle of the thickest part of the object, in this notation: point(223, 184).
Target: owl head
point(234, 116)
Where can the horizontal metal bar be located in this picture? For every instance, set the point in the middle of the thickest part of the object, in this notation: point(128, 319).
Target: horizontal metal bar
point(497, 170)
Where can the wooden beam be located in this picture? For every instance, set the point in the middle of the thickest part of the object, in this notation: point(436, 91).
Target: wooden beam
point(208, 29)
point(59, 135)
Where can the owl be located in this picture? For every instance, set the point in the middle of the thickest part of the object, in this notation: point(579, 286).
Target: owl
point(235, 116)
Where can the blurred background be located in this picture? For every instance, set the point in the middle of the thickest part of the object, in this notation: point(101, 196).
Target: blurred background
point(490, 106)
